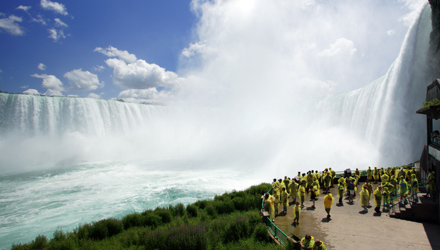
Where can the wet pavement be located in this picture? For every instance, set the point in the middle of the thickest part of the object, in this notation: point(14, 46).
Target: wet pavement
point(351, 228)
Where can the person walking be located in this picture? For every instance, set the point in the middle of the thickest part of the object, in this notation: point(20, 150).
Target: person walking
point(296, 213)
point(328, 202)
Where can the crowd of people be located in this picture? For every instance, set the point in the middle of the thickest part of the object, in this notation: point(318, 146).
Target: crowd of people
point(390, 182)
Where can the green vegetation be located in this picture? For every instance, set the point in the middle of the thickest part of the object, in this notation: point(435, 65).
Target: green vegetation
point(229, 221)
point(431, 103)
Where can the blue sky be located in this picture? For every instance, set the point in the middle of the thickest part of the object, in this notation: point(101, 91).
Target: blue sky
point(156, 30)
point(198, 51)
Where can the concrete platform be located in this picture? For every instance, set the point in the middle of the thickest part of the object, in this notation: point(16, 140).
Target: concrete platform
point(350, 228)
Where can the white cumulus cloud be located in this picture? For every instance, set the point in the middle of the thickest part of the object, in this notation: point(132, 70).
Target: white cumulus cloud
point(10, 25)
point(144, 95)
point(140, 74)
point(31, 92)
point(114, 52)
point(50, 82)
point(193, 49)
point(59, 23)
point(54, 6)
point(94, 96)
point(41, 66)
point(56, 35)
point(24, 8)
point(83, 80)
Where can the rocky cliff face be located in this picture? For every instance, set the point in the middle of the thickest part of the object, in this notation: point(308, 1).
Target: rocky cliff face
point(434, 42)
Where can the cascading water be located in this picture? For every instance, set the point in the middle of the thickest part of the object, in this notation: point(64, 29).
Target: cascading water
point(66, 161)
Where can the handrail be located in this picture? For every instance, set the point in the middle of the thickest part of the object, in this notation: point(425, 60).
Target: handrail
point(276, 232)
point(390, 200)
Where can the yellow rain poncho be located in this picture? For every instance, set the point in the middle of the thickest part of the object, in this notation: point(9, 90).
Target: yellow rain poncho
point(415, 184)
point(316, 187)
point(302, 193)
point(285, 198)
point(376, 174)
point(293, 190)
point(305, 243)
point(377, 197)
point(369, 174)
point(269, 206)
point(328, 201)
point(321, 247)
point(341, 189)
point(403, 187)
point(296, 212)
point(277, 198)
point(364, 197)
point(384, 179)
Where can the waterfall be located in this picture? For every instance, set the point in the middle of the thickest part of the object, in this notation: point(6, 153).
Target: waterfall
point(373, 125)
point(384, 112)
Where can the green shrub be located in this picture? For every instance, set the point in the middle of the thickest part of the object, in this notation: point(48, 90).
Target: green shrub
point(40, 242)
point(191, 210)
point(152, 220)
point(259, 189)
point(179, 210)
point(61, 241)
point(261, 233)
point(106, 228)
point(164, 214)
point(156, 239)
point(239, 203)
point(187, 237)
point(83, 231)
point(201, 204)
point(133, 220)
point(210, 209)
point(239, 228)
point(224, 207)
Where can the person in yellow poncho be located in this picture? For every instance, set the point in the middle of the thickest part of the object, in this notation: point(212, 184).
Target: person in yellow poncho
point(414, 187)
point(431, 186)
point(277, 198)
point(341, 190)
point(376, 175)
point(384, 179)
point(369, 174)
point(307, 242)
point(296, 212)
point(327, 181)
point(377, 199)
point(333, 175)
point(293, 190)
point(404, 189)
point(269, 205)
point(285, 199)
point(369, 188)
point(302, 194)
point(319, 245)
point(386, 194)
point(328, 202)
point(364, 195)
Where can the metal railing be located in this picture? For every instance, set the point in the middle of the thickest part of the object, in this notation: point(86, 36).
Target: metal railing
point(406, 200)
point(276, 232)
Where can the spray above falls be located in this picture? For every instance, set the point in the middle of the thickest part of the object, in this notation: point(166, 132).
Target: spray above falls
point(274, 128)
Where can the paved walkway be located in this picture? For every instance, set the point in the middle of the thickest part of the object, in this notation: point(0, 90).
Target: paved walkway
point(351, 229)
